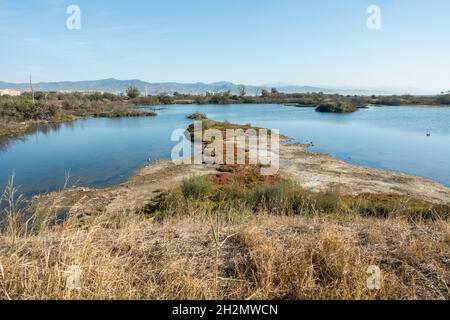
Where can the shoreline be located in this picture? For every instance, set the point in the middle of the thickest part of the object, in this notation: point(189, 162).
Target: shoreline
point(16, 129)
point(13, 130)
point(315, 172)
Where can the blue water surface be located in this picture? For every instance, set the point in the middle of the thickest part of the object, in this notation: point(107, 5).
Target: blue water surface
point(104, 152)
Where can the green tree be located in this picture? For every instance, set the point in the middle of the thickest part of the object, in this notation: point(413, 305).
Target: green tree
point(133, 92)
point(164, 98)
point(265, 93)
point(444, 99)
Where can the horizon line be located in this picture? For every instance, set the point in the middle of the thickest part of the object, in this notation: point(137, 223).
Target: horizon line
point(274, 85)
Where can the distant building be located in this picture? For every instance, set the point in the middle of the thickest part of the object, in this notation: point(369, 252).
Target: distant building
point(90, 92)
point(211, 93)
point(82, 92)
point(10, 92)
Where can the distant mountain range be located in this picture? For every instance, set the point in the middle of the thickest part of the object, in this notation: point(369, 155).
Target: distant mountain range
point(117, 86)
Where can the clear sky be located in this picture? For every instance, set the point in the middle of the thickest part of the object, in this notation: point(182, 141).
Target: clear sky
point(303, 42)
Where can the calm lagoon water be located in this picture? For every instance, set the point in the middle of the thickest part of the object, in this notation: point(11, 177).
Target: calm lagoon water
point(104, 152)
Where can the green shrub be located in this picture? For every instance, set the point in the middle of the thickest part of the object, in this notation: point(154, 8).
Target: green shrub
point(166, 203)
point(337, 107)
point(444, 99)
point(375, 209)
point(133, 92)
point(196, 187)
point(327, 202)
point(280, 198)
point(197, 116)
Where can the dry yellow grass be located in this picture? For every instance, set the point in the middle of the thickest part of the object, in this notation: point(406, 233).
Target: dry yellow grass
point(256, 257)
point(235, 236)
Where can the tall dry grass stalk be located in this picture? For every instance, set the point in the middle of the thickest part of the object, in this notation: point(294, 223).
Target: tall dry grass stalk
point(13, 205)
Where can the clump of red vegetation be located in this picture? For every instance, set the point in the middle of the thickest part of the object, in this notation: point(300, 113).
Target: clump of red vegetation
point(245, 175)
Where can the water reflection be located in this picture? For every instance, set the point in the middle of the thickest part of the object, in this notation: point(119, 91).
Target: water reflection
point(38, 129)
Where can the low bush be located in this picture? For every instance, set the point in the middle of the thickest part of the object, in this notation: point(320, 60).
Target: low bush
point(196, 187)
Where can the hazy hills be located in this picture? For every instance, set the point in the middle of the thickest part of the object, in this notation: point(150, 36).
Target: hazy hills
point(115, 86)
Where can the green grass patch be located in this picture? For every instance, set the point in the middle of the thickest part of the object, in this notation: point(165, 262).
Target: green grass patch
point(196, 187)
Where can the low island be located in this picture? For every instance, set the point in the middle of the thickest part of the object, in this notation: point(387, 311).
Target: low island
point(337, 107)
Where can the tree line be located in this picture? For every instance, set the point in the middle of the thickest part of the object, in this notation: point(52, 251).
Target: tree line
point(51, 105)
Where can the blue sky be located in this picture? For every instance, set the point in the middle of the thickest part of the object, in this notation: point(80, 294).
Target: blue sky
point(303, 42)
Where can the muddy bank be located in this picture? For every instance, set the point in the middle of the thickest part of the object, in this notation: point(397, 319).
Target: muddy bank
point(321, 172)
